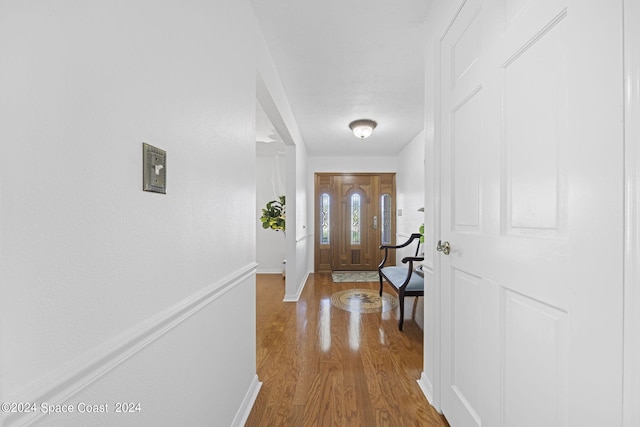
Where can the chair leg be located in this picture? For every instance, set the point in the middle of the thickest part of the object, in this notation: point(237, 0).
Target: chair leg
point(401, 303)
point(380, 275)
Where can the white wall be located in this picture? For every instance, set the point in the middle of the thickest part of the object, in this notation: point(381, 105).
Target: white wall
point(273, 100)
point(410, 187)
point(350, 164)
point(631, 393)
point(410, 198)
point(110, 293)
point(270, 184)
point(303, 241)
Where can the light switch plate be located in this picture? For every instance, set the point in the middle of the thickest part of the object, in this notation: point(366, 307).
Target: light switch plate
point(154, 169)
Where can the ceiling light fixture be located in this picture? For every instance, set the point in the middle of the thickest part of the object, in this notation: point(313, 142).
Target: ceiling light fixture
point(362, 128)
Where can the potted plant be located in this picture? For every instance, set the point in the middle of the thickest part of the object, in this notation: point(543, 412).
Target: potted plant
point(421, 230)
point(274, 215)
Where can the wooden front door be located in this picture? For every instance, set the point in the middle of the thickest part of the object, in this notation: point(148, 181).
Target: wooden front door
point(354, 216)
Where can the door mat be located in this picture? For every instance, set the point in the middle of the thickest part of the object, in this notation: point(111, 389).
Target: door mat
point(363, 301)
point(355, 276)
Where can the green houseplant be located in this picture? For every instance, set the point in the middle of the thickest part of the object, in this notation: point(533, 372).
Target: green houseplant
point(421, 229)
point(274, 215)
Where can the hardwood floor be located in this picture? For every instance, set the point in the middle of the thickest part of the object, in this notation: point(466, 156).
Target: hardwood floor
point(322, 366)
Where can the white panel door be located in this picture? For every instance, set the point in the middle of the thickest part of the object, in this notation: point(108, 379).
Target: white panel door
point(532, 206)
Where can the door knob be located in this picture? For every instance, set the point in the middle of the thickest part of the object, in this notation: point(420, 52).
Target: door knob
point(445, 248)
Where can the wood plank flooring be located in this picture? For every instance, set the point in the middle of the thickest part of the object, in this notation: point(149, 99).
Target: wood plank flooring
point(322, 366)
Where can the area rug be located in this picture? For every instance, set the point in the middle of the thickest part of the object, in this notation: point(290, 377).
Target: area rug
point(355, 276)
point(363, 301)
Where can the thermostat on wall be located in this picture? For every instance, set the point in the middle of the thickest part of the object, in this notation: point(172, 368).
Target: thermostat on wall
point(154, 169)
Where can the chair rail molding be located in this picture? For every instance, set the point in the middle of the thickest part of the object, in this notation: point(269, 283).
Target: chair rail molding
point(62, 384)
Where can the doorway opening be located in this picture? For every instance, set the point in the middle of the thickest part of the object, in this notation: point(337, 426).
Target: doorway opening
point(354, 215)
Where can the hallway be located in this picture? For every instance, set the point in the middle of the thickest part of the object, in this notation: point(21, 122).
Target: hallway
point(322, 366)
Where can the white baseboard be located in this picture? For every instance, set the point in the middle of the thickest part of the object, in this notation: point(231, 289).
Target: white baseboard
point(296, 297)
point(247, 403)
point(419, 310)
point(426, 387)
point(268, 271)
point(62, 384)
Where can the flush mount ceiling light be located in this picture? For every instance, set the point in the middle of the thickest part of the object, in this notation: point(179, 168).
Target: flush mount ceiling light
point(362, 128)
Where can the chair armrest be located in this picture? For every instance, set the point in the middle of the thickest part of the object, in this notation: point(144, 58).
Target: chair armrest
point(386, 248)
point(407, 243)
point(412, 259)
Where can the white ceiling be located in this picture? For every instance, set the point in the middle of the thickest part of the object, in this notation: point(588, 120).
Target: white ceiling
point(342, 60)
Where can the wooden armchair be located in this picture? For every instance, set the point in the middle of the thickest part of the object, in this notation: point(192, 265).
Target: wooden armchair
point(404, 279)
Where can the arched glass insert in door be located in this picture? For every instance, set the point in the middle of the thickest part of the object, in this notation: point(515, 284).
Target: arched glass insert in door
point(385, 211)
point(325, 212)
point(355, 219)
